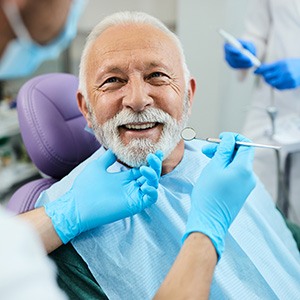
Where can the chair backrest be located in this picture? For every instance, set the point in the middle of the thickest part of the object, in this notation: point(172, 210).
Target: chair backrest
point(52, 129)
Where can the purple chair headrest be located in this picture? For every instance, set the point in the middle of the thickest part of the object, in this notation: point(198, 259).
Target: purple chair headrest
point(52, 127)
point(25, 197)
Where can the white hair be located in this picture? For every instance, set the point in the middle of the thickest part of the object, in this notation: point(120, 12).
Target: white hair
point(124, 18)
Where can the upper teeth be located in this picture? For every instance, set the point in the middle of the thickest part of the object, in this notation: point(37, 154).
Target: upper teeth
point(140, 126)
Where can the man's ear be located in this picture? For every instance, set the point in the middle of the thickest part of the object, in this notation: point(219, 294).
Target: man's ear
point(191, 92)
point(81, 102)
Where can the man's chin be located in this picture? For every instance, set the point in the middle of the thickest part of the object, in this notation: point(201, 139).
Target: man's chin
point(132, 159)
point(127, 155)
point(135, 153)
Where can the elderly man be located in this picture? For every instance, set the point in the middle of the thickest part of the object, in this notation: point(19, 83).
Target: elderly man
point(136, 94)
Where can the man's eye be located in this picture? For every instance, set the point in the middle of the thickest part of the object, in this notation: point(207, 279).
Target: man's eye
point(111, 80)
point(158, 78)
point(156, 74)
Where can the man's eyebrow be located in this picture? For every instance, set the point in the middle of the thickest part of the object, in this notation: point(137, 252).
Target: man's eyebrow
point(154, 64)
point(118, 70)
point(110, 69)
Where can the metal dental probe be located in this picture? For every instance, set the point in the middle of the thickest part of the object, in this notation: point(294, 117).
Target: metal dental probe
point(189, 134)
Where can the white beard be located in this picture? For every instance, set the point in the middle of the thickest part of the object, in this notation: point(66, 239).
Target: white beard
point(135, 152)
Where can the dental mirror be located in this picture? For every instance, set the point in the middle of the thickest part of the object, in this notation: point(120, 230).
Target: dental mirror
point(189, 134)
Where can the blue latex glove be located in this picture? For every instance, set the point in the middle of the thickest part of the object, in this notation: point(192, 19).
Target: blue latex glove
point(221, 189)
point(98, 197)
point(283, 74)
point(235, 58)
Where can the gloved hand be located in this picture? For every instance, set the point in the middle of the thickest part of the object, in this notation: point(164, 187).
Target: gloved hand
point(221, 189)
point(235, 58)
point(98, 197)
point(283, 74)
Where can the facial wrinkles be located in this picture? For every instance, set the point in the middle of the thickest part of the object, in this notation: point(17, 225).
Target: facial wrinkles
point(130, 62)
point(133, 70)
point(175, 85)
point(136, 51)
point(135, 152)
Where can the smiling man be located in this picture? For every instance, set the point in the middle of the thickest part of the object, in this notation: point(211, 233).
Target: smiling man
point(136, 94)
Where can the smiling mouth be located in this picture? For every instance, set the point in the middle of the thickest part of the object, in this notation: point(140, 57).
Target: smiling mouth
point(140, 126)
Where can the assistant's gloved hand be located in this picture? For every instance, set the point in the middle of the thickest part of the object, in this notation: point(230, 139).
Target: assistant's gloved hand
point(98, 197)
point(221, 189)
point(283, 74)
point(235, 58)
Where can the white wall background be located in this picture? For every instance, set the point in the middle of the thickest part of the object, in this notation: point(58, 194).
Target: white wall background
point(96, 10)
point(221, 100)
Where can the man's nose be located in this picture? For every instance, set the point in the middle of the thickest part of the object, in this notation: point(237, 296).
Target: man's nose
point(137, 95)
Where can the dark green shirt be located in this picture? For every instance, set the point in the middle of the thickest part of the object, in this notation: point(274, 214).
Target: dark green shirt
point(74, 276)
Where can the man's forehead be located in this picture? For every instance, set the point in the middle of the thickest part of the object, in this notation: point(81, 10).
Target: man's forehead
point(128, 37)
point(134, 47)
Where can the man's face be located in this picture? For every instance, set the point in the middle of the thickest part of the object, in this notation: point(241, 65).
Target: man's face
point(138, 97)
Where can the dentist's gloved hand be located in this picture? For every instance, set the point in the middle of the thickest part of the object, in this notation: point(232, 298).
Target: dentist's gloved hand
point(235, 58)
point(221, 189)
point(283, 74)
point(98, 197)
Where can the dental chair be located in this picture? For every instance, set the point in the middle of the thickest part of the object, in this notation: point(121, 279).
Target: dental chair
point(53, 132)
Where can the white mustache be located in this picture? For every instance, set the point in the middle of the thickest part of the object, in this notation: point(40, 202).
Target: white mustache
point(127, 116)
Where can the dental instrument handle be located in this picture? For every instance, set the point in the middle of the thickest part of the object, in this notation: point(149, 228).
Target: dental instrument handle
point(235, 43)
point(248, 144)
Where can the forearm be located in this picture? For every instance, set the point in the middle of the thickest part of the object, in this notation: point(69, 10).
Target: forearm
point(191, 275)
point(43, 225)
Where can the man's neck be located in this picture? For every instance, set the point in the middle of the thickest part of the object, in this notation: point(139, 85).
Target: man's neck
point(170, 163)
